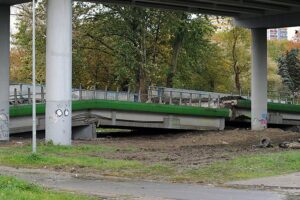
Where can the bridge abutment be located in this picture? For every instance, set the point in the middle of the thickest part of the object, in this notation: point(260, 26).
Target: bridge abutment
point(259, 85)
point(59, 72)
point(4, 71)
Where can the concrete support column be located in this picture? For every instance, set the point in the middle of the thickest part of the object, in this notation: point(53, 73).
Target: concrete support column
point(59, 72)
point(4, 71)
point(259, 85)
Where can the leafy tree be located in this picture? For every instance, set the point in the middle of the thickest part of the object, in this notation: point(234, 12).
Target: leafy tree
point(147, 46)
point(236, 44)
point(190, 42)
point(274, 79)
point(22, 41)
point(289, 70)
point(131, 47)
point(214, 76)
point(276, 48)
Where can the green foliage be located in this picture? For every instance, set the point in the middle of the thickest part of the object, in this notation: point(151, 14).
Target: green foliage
point(13, 189)
point(22, 42)
point(274, 80)
point(81, 156)
point(130, 47)
point(276, 48)
point(289, 70)
point(248, 167)
point(190, 46)
point(126, 47)
point(34, 157)
point(89, 157)
point(235, 43)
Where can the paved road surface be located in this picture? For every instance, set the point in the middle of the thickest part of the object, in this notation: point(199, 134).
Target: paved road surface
point(134, 189)
point(289, 181)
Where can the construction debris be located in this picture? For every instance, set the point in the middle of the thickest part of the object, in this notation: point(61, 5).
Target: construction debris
point(290, 145)
point(264, 143)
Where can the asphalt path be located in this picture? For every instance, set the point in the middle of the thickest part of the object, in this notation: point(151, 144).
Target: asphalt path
point(127, 189)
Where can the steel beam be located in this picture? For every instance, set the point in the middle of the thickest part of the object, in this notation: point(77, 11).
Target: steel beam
point(292, 3)
point(210, 6)
point(249, 4)
point(59, 72)
point(169, 7)
point(4, 71)
point(273, 21)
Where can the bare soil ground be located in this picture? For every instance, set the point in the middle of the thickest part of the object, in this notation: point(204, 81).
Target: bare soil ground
point(184, 150)
point(193, 149)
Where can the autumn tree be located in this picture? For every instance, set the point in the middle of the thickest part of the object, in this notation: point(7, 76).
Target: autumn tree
point(22, 42)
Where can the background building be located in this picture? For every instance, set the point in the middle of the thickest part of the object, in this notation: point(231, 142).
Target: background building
point(278, 34)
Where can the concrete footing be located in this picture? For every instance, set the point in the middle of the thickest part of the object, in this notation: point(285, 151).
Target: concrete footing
point(87, 132)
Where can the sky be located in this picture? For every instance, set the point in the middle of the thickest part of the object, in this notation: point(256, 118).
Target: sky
point(291, 31)
point(13, 19)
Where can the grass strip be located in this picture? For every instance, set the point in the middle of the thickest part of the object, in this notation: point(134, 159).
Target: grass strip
point(14, 189)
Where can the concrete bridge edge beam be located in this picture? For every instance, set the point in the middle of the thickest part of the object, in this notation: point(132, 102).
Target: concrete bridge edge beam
point(259, 82)
point(59, 72)
point(4, 71)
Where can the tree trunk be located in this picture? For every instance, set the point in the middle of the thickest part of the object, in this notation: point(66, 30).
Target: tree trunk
point(237, 82)
point(141, 76)
point(155, 46)
point(177, 46)
point(174, 62)
point(235, 65)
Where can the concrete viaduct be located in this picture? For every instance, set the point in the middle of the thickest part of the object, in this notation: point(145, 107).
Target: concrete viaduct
point(258, 15)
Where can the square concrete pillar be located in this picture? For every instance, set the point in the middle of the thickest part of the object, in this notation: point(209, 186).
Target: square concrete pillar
point(259, 82)
point(59, 72)
point(4, 71)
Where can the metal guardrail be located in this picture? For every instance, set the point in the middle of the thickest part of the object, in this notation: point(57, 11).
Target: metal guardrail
point(172, 96)
point(22, 94)
point(273, 96)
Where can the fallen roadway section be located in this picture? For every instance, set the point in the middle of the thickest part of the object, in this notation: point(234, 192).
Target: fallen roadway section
point(278, 114)
point(87, 115)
